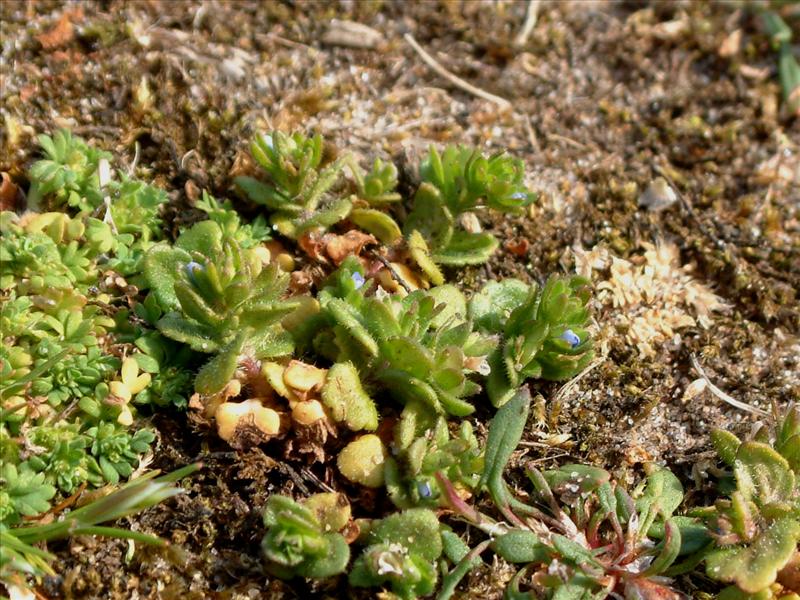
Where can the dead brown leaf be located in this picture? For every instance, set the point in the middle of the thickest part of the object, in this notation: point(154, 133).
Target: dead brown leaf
point(63, 32)
point(9, 193)
point(339, 247)
point(731, 44)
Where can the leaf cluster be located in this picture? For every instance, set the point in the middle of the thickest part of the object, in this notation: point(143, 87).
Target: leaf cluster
point(419, 348)
point(305, 195)
point(544, 331)
point(303, 539)
point(579, 534)
point(401, 553)
point(65, 396)
point(219, 298)
point(455, 185)
point(296, 192)
point(756, 528)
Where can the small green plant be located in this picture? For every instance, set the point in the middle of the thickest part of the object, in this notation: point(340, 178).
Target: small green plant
point(378, 185)
point(70, 372)
point(581, 535)
point(297, 190)
point(24, 493)
point(219, 298)
point(419, 348)
point(303, 195)
point(80, 176)
point(455, 185)
point(756, 529)
point(248, 235)
point(303, 539)
point(401, 553)
point(69, 173)
point(424, 446)
point(20, 554)
point(543, 330)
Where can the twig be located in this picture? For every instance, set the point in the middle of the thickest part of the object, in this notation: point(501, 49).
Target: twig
point(292, 43)
point(722, 395)
point(530, 22)
point(395, 275)
point(457, 81)
point(306, 472)
point(295, 477)
point(567, 140)
point(536, 461)
point(532, 139)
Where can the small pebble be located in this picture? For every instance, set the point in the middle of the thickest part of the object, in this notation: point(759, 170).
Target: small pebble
point(658, 196)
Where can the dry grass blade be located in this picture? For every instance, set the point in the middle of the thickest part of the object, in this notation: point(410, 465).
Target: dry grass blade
point(722, 395)
point(530, 22)
point(455, 80)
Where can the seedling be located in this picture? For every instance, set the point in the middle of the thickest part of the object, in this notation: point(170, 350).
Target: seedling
point(296, 192)
point(220, 299)
point(401, 553)
point(544, 331)
point(456, 184)
point(303, 539)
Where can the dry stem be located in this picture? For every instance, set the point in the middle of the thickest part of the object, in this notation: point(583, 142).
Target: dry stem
point(457, 81)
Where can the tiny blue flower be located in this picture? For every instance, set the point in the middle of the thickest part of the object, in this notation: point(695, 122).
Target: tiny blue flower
point(571, 338)
point(424, 489)
point(519, 196)
point(191, 267)
point(358, 279)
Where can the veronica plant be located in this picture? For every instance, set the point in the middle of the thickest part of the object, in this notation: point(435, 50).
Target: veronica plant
point(219, 298)
point(377, 186)
point(580, 534)
point(375, 190)
point(424, 446)
point(455, 185)
point(543, 331)
point(418, 348)
point(296, 192)
point(401, 553)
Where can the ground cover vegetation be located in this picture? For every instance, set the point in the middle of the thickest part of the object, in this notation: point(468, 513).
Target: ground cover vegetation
point(375, 364)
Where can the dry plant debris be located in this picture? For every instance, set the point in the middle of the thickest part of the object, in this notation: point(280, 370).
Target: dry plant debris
point(651, 296)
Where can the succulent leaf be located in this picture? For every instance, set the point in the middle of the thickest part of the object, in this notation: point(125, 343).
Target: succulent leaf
point(297, 543)
point(754, 567)
point(344, 395)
